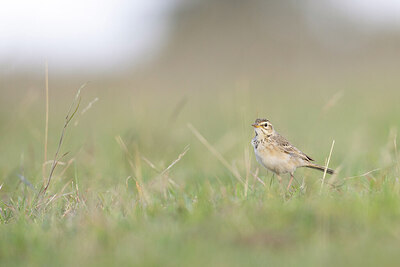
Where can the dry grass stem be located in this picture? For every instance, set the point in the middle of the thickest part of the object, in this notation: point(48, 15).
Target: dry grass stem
point(215, 153)
point(127, 153)
point(143, 194)
point(62, 163)
point(173, 183)
point(46, 129)
point(176, 160)
point(327, 165)
point(126, 180)
point(70, 115)
point(256, 178)
point(89, 106)
point(55, 196)
point(25, 181)
point(178, 108)
point(164, 173)
point(67, 166)
point(333, 101)
point(248, 166)
point(150, 163)
point(362, 175)
point(395, 153)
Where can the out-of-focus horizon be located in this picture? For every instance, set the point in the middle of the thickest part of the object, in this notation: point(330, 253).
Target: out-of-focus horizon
point(93, 38)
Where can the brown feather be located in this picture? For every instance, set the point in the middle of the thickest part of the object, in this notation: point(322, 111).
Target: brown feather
point(288, 148)
point(320, 168)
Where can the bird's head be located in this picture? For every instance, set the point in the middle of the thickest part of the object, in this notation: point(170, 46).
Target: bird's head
point(263, 127)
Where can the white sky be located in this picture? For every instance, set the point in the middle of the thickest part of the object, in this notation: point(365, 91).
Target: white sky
point(103, 34)
point(383, 13)
point(80, 33)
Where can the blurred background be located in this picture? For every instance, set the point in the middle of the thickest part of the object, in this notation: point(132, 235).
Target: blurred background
point(224, 37)
point(319, 70)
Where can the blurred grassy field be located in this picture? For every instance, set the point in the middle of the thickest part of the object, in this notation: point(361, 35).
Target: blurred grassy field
point(107, 206)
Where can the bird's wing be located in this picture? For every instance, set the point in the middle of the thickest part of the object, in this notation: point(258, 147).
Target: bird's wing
point(288, 148)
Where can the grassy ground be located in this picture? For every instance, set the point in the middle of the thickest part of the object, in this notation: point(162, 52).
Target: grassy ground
point(113, 200)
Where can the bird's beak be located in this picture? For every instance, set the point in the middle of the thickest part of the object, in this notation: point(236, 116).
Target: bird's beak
point(256, 125)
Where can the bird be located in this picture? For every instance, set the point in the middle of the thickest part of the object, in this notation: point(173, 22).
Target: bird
point(275, 153)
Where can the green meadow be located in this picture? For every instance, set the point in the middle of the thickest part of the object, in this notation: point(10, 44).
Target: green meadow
point(155, 176)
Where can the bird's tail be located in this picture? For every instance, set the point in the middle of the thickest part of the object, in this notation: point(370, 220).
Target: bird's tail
point(321, 168)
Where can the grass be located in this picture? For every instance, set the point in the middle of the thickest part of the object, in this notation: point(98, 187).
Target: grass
point(141, 187)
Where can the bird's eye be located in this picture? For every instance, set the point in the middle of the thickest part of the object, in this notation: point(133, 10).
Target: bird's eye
point(266, 125)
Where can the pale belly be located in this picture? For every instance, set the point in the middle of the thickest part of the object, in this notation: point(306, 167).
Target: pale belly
point(277, 162)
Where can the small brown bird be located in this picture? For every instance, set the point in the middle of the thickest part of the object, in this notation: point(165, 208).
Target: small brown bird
point(276, 154)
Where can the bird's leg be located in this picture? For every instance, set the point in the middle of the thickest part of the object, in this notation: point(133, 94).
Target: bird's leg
point(290, 181)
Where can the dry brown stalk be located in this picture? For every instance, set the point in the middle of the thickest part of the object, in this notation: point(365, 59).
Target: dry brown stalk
point(215, 153)
point(70, 115)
